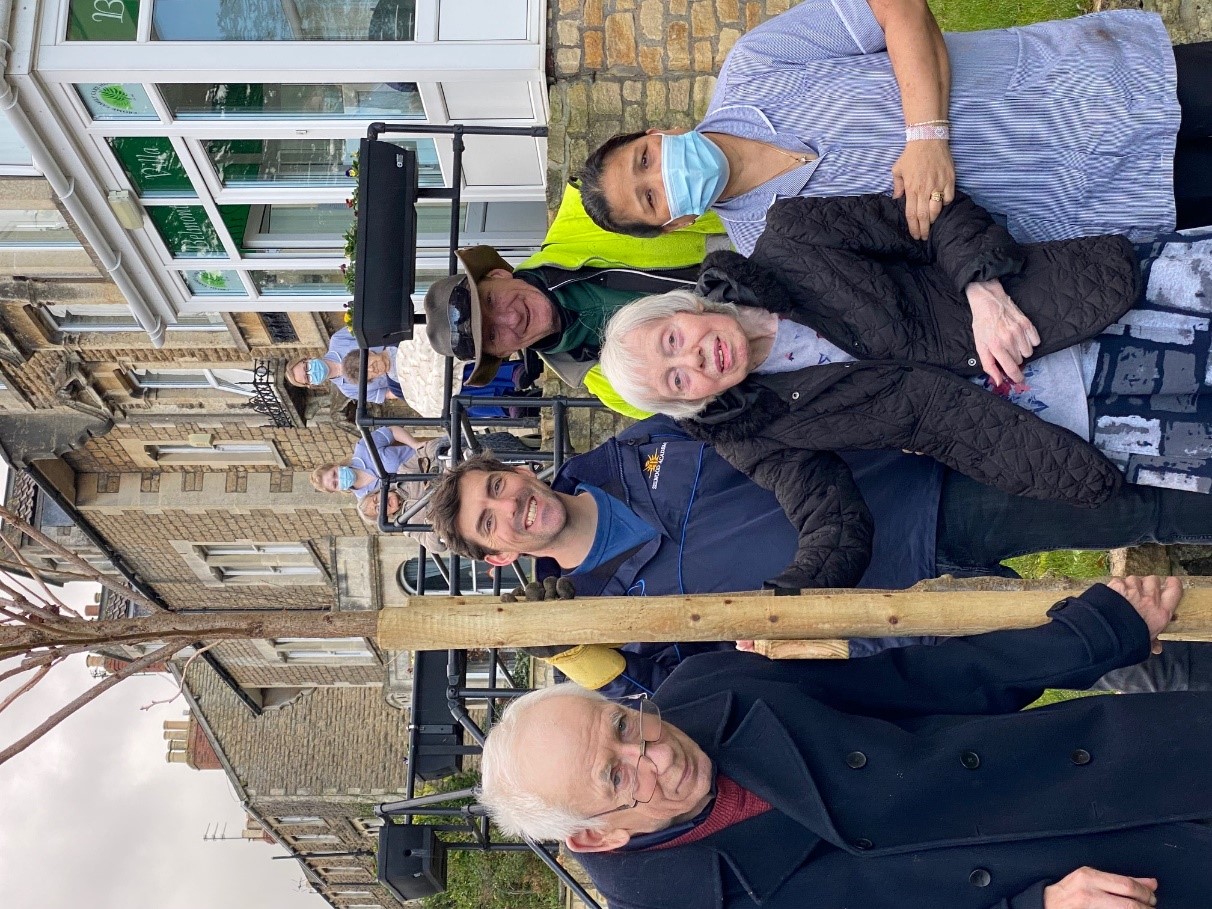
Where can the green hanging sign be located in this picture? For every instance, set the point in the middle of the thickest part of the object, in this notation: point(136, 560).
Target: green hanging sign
point(187, 231)
point(152, 165)
point(102, 20)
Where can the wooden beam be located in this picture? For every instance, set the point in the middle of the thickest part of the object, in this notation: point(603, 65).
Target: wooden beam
point(943, 607)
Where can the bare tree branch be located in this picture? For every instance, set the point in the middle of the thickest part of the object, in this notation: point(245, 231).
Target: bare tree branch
point(30, 662)
point(41, 613)
point(38, 677)
point(181, 680)
point(92, 694)
point(197, 626)
point(36, 577)
point(91, 573)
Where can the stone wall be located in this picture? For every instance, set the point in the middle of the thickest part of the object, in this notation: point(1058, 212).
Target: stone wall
point(622, 65)
point(340, 744)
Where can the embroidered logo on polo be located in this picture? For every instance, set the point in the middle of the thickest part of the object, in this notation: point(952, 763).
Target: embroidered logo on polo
point(652, 465)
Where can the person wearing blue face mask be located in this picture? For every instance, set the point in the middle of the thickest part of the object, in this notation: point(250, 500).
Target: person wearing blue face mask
point(694, 173)
point(313, 372)
point(397, 449)
point(1085, 126)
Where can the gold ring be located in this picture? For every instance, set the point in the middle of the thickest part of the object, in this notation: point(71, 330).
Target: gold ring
point(936, 196)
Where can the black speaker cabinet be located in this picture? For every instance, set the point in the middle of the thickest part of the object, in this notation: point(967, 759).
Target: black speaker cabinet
point(386, 261)
point(412, 860)
point(439, 736)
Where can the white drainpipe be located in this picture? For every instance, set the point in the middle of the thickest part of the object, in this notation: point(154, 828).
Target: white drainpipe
point(65, 188)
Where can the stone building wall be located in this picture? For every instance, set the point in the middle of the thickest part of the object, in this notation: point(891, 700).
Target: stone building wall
point(338, 745)
point(313, 771)
point(623, 65)
point(299, 449)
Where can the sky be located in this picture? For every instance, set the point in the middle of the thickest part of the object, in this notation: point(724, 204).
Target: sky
point(92, 814)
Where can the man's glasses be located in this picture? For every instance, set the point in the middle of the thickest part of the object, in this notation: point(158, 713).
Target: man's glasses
point(638, 726)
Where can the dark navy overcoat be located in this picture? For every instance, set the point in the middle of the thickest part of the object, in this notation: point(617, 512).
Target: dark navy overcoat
point(912, 779)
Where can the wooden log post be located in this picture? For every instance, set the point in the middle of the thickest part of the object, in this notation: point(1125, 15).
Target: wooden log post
point(941, 607)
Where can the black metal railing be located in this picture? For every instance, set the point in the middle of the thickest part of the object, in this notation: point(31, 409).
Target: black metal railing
point(265, 399)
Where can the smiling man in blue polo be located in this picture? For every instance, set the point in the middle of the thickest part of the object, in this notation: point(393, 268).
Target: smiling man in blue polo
point(654, 512)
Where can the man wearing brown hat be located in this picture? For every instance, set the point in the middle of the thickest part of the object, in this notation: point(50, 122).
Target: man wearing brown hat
point(494, 311)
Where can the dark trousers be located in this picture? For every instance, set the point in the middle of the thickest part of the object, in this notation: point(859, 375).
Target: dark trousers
point(1193, 156)
point(978, 526)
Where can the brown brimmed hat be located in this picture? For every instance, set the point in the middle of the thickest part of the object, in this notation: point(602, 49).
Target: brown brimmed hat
point(453, 319)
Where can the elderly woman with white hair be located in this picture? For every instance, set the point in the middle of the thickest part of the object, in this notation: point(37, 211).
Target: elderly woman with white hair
point(843, 332)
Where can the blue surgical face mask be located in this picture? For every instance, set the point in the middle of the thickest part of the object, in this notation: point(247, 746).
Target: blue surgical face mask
point(346, 477)
point(317, 371)
point(694, 172)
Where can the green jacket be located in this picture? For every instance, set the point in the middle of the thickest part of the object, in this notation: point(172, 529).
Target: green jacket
point(574, 244)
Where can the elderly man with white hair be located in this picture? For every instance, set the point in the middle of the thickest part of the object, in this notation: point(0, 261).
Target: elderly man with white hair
point(912, 778)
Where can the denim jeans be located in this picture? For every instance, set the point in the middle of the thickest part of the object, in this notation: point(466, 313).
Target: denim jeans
point(978, 525)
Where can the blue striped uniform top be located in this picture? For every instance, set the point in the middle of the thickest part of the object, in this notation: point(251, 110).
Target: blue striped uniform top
point(341, 343)
point(1067, 128)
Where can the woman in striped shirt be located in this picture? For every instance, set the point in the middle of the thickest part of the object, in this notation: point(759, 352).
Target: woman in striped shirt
point(1067, 128)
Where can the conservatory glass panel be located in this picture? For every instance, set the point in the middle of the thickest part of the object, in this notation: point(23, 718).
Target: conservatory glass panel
point(116, 101)
point(283, 20)
point(309, 283)
point(287, 100)
point(282, 162)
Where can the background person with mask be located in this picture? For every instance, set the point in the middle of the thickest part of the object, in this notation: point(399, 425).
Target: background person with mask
point(313, 372)
point(1068, 128)
point(397, 449)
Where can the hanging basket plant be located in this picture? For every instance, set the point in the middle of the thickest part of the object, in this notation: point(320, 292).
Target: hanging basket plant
point(351, 240)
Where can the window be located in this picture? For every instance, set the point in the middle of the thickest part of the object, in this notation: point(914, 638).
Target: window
point(14, 156)
point(325, 651)
point(152, 165)
point(293, 100)
point(367, 826)
point(282, 162)
point(187, 231)
point(315, 838)
point(35, 227)
point(232, 381)
point(308, 283)
point(216, 455)
point(259, 561)
point(102, 318)
point(284, 20)
point(253, 563)
point(116, 101)
point(300, 820)
point(209, 283)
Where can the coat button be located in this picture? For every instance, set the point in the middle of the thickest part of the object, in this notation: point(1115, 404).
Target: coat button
point(856, 760)
point(1081, 757)
point(863, 844)
point(795, 396)
point(979, 877)
point(970, 759)
point(972, 361)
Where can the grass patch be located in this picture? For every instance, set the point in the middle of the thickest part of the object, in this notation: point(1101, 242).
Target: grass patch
point(971, 15)
point(488, 880)
point(1064, 563)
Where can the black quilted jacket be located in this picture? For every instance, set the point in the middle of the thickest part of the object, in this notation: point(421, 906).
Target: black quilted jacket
point(848, 268)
